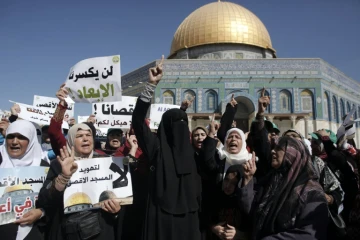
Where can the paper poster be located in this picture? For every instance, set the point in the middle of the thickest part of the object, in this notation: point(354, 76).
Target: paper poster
point(101, 132)
point(81, 119)
point(97, 180)
point(39, 115)
point(114, 114)
point(156, 112)
point(95, 80)
point(51, 104)
point(19, 189)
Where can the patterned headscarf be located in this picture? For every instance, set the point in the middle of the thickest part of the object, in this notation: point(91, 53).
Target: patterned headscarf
point(70, 142)
point(281, 197)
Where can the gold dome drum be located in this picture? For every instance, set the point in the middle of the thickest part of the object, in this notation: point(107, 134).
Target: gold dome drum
point(77, 198)
point(221, 22)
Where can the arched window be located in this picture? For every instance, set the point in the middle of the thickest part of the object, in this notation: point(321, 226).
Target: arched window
point(168, 97)
point(285, 101)
point(306, 101)
point(348, 107)
point(326, 106)
point(211, 100)
point(266, 94)
point(334, 110)
point(342, 108)
point(190, 95)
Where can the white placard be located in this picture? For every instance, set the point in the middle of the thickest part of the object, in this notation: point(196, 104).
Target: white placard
point(81, 119)
point(95, 80)
point(96, 180)
point(51, 103)
point(156, 112)
point(37, 115)
point(114, 114)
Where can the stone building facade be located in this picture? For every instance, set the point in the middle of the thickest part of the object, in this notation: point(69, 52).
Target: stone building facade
point(306, 94)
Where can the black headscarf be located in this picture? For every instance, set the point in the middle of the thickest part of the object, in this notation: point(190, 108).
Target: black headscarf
point(177, 180)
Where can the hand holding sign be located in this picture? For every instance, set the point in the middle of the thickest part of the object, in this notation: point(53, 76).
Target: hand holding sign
point(15, 109)
point(67, 162)
point(111, 206)
point(30, 217)
point(264, 102)
point(233, 102)
point(156, 73)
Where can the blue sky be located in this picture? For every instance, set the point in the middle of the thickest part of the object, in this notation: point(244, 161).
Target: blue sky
point(40, 40)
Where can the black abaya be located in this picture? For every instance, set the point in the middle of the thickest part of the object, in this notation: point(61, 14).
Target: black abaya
point(174, 195)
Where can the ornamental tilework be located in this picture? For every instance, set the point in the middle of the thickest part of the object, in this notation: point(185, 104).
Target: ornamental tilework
point(296, 98)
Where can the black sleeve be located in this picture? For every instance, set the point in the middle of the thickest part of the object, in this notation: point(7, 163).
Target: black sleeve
point(209, 154)
point(49, 198)
point(226, 122)
point(146, 139)
point(13, 118)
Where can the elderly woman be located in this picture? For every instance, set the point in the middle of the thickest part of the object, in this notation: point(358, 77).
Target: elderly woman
point(94, 224)
point(22, 149)
point(288, 203)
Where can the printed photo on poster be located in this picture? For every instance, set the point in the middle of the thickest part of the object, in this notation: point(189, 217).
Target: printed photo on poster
point(97, 180)
point(19, 189)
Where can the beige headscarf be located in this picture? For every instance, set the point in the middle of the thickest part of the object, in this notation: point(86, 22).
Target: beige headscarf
point(71, 139)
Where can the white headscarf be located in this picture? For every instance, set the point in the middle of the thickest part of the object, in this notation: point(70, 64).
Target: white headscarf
point(234, 159)
point(33, 153)
point(32, 157)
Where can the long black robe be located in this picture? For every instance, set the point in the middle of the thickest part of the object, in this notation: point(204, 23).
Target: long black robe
point(162, 223)
point(52, 201)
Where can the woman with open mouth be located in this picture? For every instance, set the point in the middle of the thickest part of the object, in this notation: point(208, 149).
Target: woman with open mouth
point(79, 145)
point(22, 149)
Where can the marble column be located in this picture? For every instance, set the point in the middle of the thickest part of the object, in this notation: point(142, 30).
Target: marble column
point(293, 121)
point(190, 122)
point(306, 119)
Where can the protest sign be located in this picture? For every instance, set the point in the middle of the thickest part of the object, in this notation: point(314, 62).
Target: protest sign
point(95, 80)
point(19, 189)
point(37, 115)
point(51, 103)
point(156, 112)
point(82, 119)
point(114, 114)
point(97, 180)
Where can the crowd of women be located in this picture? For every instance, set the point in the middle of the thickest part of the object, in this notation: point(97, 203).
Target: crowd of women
point(213, 182)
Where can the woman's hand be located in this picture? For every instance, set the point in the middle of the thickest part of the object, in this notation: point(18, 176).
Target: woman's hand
point(249, 169)
point(61, 94)
point(156, 73)
point(219, 230)
point(111, 206)
point(229, 233)
point(67, 162)
point(186, 103)
point(263, 102)
point(30, 217)
point(233, 102)
point(15, 109)
point(212, 129)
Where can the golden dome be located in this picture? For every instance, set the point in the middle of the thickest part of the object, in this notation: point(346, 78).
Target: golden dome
point(221, 22)
point(77, 198)
point(17, 188)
